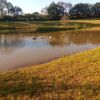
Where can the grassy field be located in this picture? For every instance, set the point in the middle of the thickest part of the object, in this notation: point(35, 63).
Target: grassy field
point(75, 77)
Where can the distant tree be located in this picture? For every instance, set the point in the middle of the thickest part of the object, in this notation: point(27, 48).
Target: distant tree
point(65, 5)
point(18, 10)
point(12, 11)
point(27, 16)
point(2, 6)
point(96, 10)
point(81, 10)
point(55, 11)
point(44, 14)
point(44, 11)
point(9, 6)
point(36, 16)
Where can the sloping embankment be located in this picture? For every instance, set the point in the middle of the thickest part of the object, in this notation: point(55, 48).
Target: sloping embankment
point(74, 77)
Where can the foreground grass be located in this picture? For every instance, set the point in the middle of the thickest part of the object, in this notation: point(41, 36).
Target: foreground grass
point(76, 77)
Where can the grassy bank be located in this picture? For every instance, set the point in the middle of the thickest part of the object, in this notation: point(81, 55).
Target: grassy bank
point(50, 26)
point(75, 77)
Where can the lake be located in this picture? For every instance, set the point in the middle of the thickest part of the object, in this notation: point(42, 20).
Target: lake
point(18, 49)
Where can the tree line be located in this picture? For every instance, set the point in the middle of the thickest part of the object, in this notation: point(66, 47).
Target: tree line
point(85, 10)
point(55, 11)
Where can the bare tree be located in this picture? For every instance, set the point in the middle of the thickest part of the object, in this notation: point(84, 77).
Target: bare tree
point(44, 11)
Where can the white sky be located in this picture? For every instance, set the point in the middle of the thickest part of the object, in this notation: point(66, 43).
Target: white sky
point(30, 6)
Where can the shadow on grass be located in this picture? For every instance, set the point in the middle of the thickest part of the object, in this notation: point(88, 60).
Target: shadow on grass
point(52, 29)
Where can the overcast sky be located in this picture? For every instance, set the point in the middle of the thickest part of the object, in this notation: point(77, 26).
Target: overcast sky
point(30, 6)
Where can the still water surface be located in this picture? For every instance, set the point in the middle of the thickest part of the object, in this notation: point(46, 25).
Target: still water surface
point(24, 49)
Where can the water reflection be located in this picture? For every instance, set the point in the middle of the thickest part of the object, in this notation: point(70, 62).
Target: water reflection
point(78, 38)
point(19, 49)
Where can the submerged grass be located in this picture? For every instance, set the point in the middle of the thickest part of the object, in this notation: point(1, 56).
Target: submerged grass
point(75, 77)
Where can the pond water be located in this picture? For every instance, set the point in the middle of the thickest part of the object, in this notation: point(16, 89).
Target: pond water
point(19, 49)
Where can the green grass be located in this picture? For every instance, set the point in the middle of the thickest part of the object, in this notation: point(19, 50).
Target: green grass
point(75, 77)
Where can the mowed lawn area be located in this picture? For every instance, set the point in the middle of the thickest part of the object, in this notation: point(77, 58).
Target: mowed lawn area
point(75, 77)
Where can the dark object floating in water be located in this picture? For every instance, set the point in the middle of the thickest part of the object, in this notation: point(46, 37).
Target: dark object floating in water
point(34, 38)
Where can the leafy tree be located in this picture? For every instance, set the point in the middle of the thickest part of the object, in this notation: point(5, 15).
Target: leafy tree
point(9, 6)
point(55, 11)
point(96, 10)
point(81, 10)
point(65, 5)
point(18, 10)
point(36, 16)
point(27, 17)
